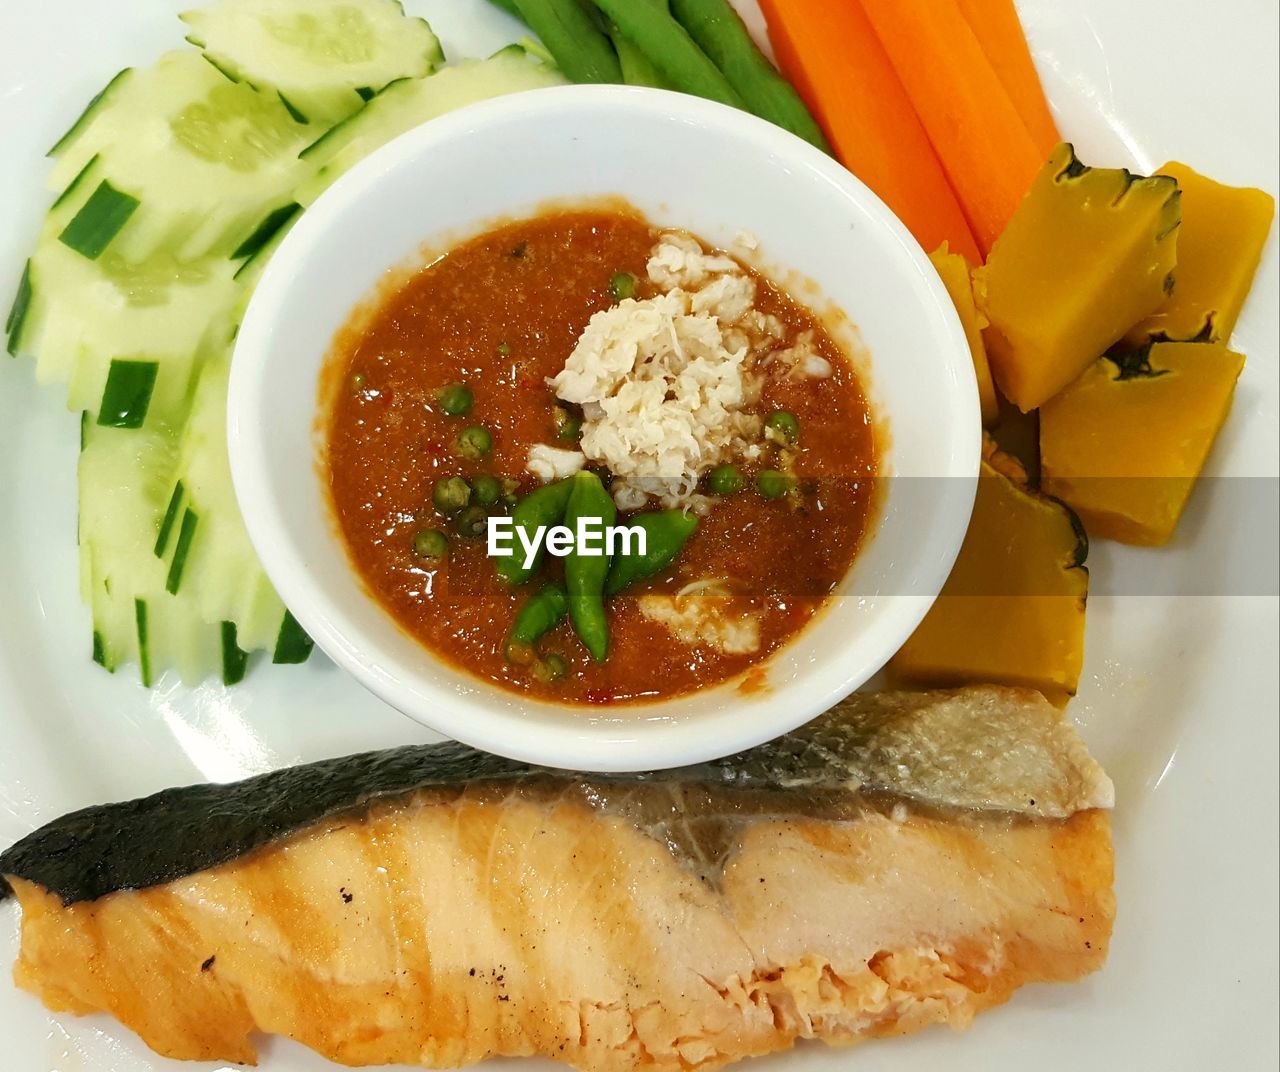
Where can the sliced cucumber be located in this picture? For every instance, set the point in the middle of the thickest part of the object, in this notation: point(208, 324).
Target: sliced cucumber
point(174, 188)
point(124, 476)
point(319, 56)
point(205, 158)
point(91, 109)
point(408, 103)
point(202, 535)
point(88, 323)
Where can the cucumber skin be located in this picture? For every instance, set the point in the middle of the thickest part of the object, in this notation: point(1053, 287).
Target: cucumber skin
point(178, 564)
point(84, 118)
point(18, 312)
point(126, 399)
point(170, 518)
point(99, 220)
point(74, 184)
point(293, 645)
point(275, 221)
point(144, 651)
point(235, 661)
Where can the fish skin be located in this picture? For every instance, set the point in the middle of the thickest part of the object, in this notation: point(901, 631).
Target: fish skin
point(663, 922)
point(979, 748)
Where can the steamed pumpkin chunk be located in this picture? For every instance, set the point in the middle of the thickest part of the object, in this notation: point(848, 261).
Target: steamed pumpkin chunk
point(1012, 610)
point(1124, 443)
point(953, 269)
point(1219, 245)
point(1087, 255)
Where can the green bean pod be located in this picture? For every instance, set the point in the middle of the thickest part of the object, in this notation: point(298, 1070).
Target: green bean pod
point(650, 27)
point(541, 613)
point(637, 68)
point(542, 508)
point(584, 574)
point(720, 33)
point(581, 50)
point(665, 534)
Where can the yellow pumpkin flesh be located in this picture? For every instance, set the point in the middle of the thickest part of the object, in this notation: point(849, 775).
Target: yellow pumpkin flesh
point(1124, 444)
point(1088, 254)
point(1013, 610)
point(1219, 245)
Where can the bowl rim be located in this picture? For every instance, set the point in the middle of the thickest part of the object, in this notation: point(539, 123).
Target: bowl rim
point(613, 743)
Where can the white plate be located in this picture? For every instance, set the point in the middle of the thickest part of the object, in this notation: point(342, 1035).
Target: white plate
point(1179, 698)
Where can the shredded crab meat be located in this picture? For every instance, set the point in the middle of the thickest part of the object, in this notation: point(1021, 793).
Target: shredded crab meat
point(704, 616)
point(704, 586)
point(667, 383)
point(799, 360)
point(554, 463)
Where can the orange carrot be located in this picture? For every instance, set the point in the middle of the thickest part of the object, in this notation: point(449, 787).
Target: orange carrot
point(831, 55)
point(996, 25)
point(977, 133)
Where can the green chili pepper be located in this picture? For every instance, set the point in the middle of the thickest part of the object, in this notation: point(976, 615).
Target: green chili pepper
point(538, 509)
point(584, 573)
point(665, 535)
point(541, 613)
point(486, 490)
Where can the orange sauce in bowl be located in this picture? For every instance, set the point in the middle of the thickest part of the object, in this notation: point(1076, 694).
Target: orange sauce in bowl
point(500, 313)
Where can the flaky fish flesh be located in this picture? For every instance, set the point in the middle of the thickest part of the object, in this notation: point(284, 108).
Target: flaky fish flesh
point(904, 860)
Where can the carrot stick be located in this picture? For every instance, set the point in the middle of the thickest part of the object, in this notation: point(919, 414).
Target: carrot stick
point(985, 150)
point(831, 55)
point(996, 25)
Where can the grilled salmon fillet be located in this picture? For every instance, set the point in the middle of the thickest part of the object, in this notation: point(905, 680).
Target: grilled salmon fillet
point(907, 859)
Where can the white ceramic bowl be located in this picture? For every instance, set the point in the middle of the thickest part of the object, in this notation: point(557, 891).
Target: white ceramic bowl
point(685, 163)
